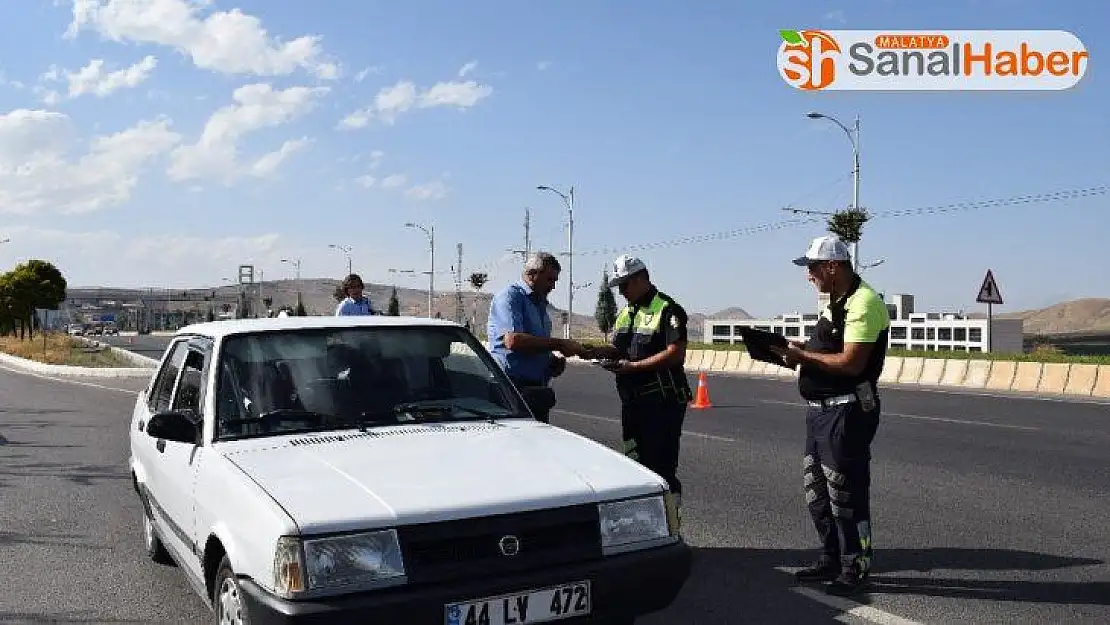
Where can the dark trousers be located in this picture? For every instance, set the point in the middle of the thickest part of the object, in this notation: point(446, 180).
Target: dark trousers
point(540, 399)
point(837, 469)
point(651, 430)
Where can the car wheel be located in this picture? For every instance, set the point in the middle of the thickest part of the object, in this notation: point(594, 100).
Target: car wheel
point(155, 550)
point(227, 597)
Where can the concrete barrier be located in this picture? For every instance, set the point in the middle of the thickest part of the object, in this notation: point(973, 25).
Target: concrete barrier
point(978, 372)
point(955, 372)
point(1054, 378)
point(1081, 380)
point(1027, 377)
point(932, 370)
point(1059, 379)
point(911, 370)
point(891, 369)
point(1002, 375)
point(1102, 383)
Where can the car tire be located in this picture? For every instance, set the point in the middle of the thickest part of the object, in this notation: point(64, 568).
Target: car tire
point(155, 550)
point(227, 597)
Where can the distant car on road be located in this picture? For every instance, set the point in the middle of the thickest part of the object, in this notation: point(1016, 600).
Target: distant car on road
point(384, 469)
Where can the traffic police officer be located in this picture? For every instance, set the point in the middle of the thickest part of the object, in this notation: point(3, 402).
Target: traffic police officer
point(647, 354)
point(840, 367)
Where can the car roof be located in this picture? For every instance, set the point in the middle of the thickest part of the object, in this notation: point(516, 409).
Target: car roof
point(228, 327)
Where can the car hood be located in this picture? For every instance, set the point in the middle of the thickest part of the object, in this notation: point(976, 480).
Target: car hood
point(407, 474)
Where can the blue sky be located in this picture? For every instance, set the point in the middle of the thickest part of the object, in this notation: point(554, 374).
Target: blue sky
point(670, 120)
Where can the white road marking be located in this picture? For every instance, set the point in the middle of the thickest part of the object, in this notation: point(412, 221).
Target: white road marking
point(70, 381)
point(903, 415)
point(847, 606)
point(593, 417)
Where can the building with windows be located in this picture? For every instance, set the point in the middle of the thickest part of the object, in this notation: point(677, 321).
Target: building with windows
point(924, 331)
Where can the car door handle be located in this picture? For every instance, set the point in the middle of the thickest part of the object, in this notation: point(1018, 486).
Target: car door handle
point(142, 425)
point(161, 445)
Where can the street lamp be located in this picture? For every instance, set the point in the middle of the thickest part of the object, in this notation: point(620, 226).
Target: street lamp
point(853, 137)
point(568, 200)
point(346, 249)
point(296, 262)
point(430, 231)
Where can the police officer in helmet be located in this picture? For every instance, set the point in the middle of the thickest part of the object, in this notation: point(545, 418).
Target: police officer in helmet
point(839, 375)
point(647, 355)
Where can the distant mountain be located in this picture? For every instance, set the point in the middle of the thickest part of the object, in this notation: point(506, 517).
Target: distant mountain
point(1089, 315)
point(732, 312)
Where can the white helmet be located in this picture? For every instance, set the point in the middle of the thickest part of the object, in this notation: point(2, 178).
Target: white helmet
point(623, 267)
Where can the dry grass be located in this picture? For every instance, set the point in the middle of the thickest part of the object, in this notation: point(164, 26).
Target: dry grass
point(60, 349)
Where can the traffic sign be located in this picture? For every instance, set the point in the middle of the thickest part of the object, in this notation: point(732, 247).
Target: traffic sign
point(988, 292)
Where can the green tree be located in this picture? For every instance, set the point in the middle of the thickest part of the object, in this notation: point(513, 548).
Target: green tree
point(605, 313)
point(394, 308)
point(299, 311)
point(478, 281)
point(33, 284)
point(848, 224)
point(211, 316)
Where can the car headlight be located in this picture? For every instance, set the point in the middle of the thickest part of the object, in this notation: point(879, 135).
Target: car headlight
point(636, 523)
point(315, 565)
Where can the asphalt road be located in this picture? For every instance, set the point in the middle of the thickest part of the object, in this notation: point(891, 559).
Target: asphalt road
point(986, 509)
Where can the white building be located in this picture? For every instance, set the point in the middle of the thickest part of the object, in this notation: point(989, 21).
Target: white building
point(926, 331)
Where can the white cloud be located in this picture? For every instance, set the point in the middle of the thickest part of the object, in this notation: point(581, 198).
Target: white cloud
point(836, 15)
point(466, 69)
point(396, 180)
point(269, 163)
point(254, 107)
point(230, 42)
point(156, 259)
point(93, 79)
point(430, 191)
point(38, 177)
point(402, 97)
point(376, 159)
point(366, 181)
point(543, 65)
point(373, 69)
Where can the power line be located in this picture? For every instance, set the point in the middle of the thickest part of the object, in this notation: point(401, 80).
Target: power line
point(1039, 198)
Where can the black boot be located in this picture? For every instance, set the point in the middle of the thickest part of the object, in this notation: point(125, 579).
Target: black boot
point(825, 570)
point(852, 579)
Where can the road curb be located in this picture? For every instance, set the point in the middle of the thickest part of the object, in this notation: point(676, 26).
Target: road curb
point(69, 370)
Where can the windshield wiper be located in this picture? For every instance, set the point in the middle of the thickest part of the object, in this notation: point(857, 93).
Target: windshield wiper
point(440, 405)
point(294, 414)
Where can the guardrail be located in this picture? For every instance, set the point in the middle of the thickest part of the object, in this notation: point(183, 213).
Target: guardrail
point(1048, 378)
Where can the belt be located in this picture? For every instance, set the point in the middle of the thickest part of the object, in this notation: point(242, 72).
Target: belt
point(828, 402)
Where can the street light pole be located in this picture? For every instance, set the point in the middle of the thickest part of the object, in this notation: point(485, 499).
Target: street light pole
point(568, 200)
point(430, 231)
point(853, 137)
point(346, 249)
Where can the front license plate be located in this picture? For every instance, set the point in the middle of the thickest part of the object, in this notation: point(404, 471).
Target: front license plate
point(532, 606)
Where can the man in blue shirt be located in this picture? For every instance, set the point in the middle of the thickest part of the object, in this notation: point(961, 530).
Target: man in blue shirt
point(355, 303)
point(519, 332)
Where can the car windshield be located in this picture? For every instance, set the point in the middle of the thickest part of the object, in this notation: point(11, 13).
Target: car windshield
point(281, 382)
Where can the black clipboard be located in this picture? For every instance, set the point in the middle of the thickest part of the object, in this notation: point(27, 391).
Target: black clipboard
point(760, 342)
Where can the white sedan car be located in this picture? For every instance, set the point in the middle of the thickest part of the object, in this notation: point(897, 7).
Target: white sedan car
point(375, 469)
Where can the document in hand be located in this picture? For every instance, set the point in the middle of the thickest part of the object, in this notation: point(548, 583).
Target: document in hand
point(759, 343)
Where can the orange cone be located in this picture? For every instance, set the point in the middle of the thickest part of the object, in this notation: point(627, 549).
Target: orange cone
point(701, 399)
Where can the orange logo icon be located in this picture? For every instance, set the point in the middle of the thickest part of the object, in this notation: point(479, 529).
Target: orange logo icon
point(807, 59)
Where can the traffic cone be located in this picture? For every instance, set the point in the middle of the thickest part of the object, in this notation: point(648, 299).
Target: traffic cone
point(701, 399)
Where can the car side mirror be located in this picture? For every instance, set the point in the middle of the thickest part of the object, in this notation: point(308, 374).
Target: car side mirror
point(179, 426)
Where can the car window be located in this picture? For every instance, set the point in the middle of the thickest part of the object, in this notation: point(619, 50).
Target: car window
point(161, 391)
point(188, 396)
point(293, 380)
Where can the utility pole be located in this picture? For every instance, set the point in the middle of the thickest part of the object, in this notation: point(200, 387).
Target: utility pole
point(458, 287)
point(430, 231)
point(527, 251)
point(853, 137)
point(568, 200)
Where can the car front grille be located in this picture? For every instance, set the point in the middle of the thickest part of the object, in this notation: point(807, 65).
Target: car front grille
point(437, 552)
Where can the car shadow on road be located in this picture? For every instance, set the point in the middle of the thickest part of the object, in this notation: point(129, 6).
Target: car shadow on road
point(17, 618)
point(729, 585)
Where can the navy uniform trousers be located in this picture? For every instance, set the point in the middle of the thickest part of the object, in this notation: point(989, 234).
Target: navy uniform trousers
point(837, 470)
point(652, 429)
